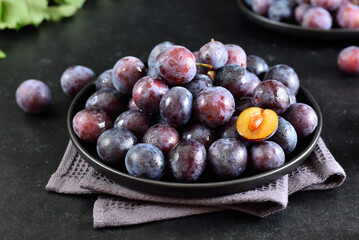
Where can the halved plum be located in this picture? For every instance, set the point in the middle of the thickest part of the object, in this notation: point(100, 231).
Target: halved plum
point(256, 124)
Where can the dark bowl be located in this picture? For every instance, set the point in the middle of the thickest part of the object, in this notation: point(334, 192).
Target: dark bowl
point(208, 185)
point(297, 30)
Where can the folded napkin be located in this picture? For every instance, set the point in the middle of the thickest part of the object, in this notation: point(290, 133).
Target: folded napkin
point(118, 205)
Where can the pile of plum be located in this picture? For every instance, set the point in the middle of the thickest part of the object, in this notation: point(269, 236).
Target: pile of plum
point(321, 14)
point(186, 111)
point(34, 96)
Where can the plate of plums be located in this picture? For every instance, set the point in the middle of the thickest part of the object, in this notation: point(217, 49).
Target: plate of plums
point(193, 124)
point(322, 19)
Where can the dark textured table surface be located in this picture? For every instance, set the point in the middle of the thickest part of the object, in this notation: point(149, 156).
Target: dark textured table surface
point(31, 146)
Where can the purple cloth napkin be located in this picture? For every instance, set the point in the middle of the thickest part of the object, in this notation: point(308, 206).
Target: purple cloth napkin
point(118, 205)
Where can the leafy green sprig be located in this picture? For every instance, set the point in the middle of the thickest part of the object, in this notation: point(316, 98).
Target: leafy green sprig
point(15, 14)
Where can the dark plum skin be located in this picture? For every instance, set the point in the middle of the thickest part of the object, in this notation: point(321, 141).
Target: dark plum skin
point(199, 133)
point(113, 144)
point(75, 78)
point(132, 105)
point(108, 100)
point(234, 78)
point(348, 59)
point(187, 161)
point(89, 124)
point(292, 97)
point(146, 161)
point(229, 129)
point(348, 15)
point(33, 96)
point(228, 158)
point(176, 65)
point(281, 11)
point(134, 120)
point(254, 83)
point(265, 156)
point(176, 106)
point(273, 95)
point(285, 136)
point(147, 94)
point(242, 104)
point(261, 6)
point(256, 65)
point(105, 80)
point(317, 17)
point(214, 106)
point(299, 12)
point(236, 55)
point(196, 55)
point(198, 83)
point(126, 73)
point(151, 72)
point(303, 118)
point(162, 136)
point(330, 5)
point(213, 53)
point(249, 2)
point(156, 51)
point(285, 75)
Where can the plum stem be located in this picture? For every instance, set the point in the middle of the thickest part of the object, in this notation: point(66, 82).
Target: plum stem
point(204, 65)
point(211, 75)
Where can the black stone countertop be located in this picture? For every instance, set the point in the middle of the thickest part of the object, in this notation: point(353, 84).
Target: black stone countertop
point(31, 146)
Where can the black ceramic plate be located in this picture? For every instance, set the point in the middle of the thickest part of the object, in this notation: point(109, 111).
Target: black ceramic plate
point(297, 30)
point(208, 184)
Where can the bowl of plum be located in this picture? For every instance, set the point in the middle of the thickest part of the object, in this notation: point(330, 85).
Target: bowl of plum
point(322, 19)
point(195, 124)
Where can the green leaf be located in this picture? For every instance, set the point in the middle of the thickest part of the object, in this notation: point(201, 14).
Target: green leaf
point(0, 9)
point(76, 3)
point(36, 11)
point(15, 14)
point(56, 13)
point(2, 55)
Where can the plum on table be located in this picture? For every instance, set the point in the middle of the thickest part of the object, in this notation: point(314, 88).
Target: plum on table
point(33, 96)
point(348, 60)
